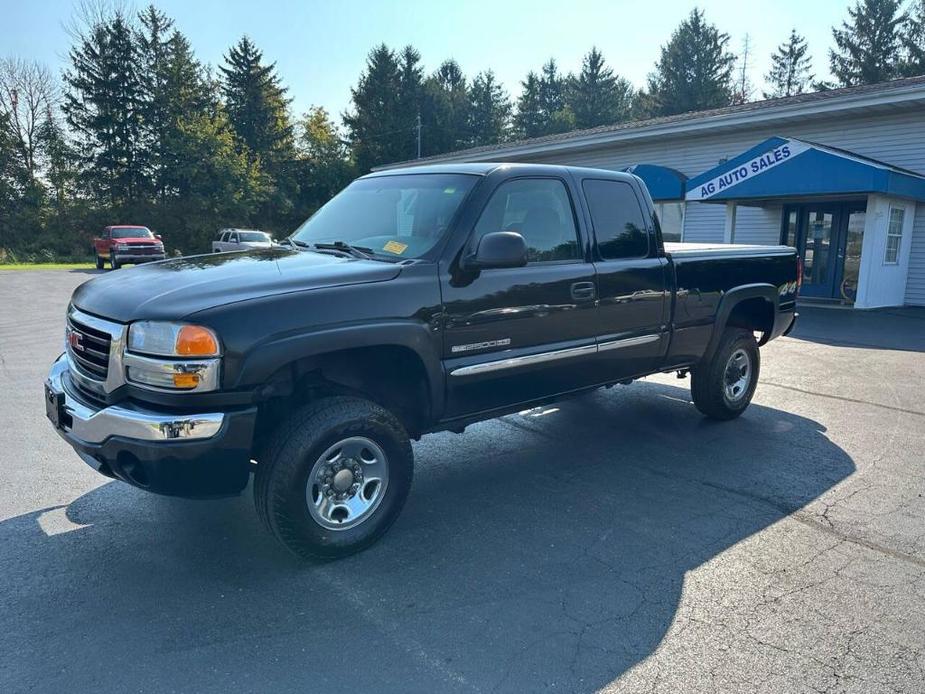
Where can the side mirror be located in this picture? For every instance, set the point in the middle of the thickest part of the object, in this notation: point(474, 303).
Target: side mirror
point(158, 237)
point(499, 249)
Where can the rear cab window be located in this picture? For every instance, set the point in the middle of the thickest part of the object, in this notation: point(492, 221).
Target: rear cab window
point(617, 219)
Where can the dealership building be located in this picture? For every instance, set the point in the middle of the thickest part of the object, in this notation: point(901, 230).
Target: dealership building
point(838, 174)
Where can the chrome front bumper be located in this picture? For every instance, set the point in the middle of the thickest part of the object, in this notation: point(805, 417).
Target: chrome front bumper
point(93, 425)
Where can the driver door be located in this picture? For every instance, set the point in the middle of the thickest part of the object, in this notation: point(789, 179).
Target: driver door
point(515, 335)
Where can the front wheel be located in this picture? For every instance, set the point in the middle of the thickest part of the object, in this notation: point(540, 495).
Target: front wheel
point(113, 263)
point(333, 477)
point(723, 386)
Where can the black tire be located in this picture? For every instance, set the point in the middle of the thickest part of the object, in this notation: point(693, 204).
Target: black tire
point(99, 262)
point(113, 263)
point(709, 380)
point(285, 463)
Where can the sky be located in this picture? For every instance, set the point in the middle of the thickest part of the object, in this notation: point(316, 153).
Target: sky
point(320, 47)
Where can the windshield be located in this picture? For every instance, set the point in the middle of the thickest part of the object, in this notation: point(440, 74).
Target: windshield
point(253, 236)
point(394, 216)
point(132, 233)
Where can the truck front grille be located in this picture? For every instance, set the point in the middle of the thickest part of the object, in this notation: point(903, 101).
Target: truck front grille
point(141, 249)
point(89, 349)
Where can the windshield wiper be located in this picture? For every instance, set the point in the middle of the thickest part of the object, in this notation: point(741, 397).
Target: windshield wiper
point(344, 247)
point(300, 244)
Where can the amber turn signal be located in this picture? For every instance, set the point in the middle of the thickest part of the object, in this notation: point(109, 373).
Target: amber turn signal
point(195, 341)
point(185, 380)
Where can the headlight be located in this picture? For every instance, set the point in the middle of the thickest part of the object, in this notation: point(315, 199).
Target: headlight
point(172, 340)
point(121, 246)
point(173, 356)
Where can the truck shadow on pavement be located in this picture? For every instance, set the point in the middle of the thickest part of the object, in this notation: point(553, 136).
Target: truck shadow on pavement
point(547, 549)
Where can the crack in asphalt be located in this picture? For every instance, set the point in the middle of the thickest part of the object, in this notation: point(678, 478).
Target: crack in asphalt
point(789, 511)
point(843, 398)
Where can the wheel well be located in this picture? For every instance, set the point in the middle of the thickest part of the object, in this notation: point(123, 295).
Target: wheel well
point(756, 314)
point(391, 375)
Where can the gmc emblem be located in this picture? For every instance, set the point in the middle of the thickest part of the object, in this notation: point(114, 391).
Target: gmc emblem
point(73, 339)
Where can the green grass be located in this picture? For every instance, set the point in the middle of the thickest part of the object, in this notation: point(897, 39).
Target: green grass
point(46, 266)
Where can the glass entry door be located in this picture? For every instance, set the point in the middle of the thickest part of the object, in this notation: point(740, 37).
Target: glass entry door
point(828, 237)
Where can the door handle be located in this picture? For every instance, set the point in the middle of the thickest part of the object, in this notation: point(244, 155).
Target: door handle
point(583, 291)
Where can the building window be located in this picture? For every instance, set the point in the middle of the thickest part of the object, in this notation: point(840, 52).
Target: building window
point(894, 235)
point(671, 219)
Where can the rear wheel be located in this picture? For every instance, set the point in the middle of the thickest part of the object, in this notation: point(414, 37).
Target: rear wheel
point(723, 386)
point(333, 477)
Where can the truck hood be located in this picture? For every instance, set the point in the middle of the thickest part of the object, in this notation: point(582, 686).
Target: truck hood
point(174, 289)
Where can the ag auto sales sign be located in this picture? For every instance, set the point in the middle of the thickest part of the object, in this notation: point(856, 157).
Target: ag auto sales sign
point(747, 170)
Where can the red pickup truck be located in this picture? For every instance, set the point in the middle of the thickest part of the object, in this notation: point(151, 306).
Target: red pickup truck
point(127, 244)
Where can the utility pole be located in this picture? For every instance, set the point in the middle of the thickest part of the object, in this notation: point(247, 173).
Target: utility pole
point(418, 128)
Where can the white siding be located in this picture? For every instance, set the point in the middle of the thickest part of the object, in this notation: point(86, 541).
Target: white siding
point(896, 137)
point(915, 283)
point(758, 225)
point(703, 223)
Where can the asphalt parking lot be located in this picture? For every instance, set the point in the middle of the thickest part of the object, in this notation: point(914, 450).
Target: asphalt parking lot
point(617, 542)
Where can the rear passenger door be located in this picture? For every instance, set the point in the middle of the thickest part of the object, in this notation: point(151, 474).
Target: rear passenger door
point(515, 335)
point(633, 295)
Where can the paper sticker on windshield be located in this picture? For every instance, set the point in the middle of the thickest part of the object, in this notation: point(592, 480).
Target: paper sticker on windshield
point(395, 247)
point(449, 191)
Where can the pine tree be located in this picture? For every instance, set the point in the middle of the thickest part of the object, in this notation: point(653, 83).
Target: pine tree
point(102, 105)
point(410, 96)
point(790, 68)
point(694, 69)
point(153, 39)
point(489, 110)
point(446, 110)
point(528, 121)
point(257, 104)
point(553, 100)
point(913, 41)
point(59, 162)
point(376, 129)
point(868, 46)
point(597, 96)
point(188, 97)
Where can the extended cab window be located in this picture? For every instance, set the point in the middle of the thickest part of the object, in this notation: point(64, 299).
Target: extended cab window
point(618, 222)
point(539, 210)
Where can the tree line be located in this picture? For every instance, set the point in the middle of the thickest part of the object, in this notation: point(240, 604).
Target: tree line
point(138, 130)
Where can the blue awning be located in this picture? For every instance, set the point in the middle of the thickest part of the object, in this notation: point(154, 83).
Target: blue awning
point(663, 183)
point(788, 168)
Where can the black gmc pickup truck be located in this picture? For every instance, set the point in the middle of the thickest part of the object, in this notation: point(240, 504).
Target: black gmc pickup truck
point(417, 300)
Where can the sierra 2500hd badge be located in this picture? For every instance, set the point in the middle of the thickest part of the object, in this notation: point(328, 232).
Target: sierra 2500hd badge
point(503, 342)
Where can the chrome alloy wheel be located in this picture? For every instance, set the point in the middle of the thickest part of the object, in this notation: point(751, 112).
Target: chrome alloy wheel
point(738, 375)
point(347, 483)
